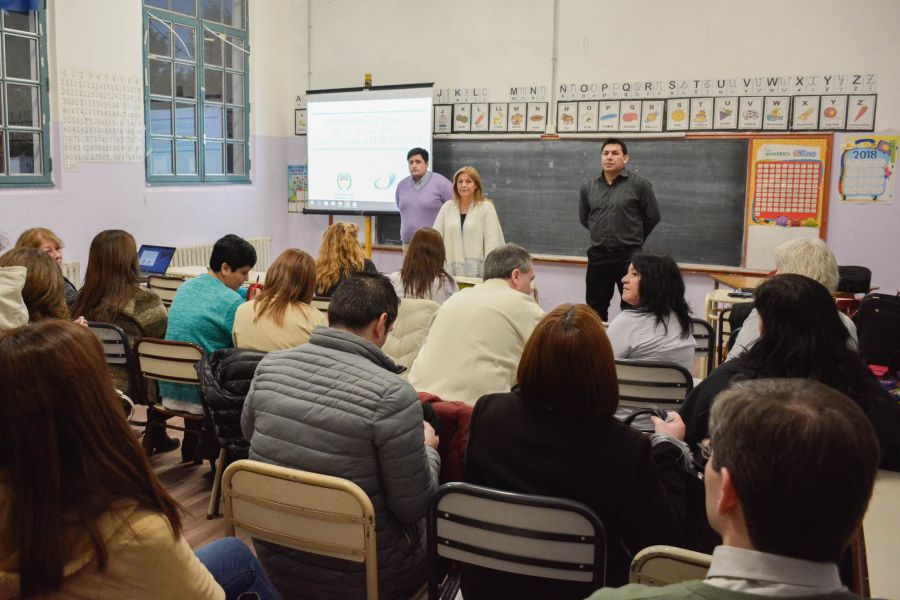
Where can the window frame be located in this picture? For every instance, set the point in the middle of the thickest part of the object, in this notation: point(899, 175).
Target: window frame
point(198, 23)
point(45, 179)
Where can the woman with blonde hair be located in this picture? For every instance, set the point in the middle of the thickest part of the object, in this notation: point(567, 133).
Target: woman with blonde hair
point(469, 225)
point(280, 316)
point(422, 274)
point(339, 256)
point(46, 241)
point(44, 291)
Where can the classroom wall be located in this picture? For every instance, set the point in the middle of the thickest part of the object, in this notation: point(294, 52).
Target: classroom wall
point(464, 44)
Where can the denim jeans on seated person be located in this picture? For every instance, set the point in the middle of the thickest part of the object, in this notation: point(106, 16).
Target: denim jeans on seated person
point(236, 569)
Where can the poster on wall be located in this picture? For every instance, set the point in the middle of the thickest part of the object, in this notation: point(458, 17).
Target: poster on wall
point(499, 112)
point(609, 116)
point(461, 117)
point(677, 113)
point(587, 116)
point(537, 117)
point(566, 117)
point(480, 116)
point(725, 113)
point(701, 113)
point(833, 112)
point(517, 112)
point(861, 113)
point(297, 186)
point(652, 119)
point(867, 166)
point(787, 181)
point(805, 113)
point(299, 121)
point(443, 115)
point(750, 113)
point(776, 109)
point(630, 115)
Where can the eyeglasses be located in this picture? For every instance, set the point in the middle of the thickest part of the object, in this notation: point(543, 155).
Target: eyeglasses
point(706, 449)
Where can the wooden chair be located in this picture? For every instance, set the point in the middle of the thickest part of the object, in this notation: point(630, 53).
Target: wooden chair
point(305, 511)
point(166, 360)
point(645, 384)
point(118, 354)
point(321, 303)
point(657, 566)
point(164, 287)
point(703, 335)
point(538, 536)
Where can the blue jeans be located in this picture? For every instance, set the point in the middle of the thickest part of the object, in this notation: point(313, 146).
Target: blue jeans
point(236, 569)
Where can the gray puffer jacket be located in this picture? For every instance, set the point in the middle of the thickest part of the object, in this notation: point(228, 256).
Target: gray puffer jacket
point(335, 406)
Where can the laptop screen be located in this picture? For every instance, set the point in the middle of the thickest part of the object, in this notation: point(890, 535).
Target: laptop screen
point(155, 259)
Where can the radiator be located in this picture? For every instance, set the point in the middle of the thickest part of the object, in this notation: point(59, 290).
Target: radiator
point(198, 256)
point(72, 272)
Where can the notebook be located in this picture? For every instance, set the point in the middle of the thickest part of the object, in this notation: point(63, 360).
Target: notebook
point(154, 260)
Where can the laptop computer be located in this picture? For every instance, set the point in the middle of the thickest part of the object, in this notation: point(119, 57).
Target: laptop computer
point(154, 260)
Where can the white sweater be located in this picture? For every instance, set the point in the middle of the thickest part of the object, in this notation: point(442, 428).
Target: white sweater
point(467, 244)
point(12, 309)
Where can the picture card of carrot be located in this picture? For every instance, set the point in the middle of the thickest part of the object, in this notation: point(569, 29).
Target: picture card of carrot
point(652, 113)
point(775, 111)
point(861, 112)
point(566, 117)
point(725, 113)
point(537, 117)
point(678, 114)
point(480, 116)
point(630, 115)
point(499, 116)
point(805, 113)
point(462, 117)
point(608, 119)
point(517, 113)
point(833, 112)
point(588, 115)
point(701, 113)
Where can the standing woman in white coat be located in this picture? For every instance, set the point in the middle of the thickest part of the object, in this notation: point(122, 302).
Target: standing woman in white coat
point(469, 225)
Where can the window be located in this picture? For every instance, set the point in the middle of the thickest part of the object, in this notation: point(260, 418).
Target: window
point(195, 89)
point(24, 155)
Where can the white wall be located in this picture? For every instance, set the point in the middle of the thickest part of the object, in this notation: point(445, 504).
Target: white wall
point(462, 44)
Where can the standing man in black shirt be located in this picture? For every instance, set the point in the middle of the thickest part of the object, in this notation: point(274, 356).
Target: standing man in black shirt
point(620, 211)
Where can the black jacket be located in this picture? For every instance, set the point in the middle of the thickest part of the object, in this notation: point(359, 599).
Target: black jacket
point(225, 377)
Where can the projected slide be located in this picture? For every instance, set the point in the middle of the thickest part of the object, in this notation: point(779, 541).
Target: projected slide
point(357, 143)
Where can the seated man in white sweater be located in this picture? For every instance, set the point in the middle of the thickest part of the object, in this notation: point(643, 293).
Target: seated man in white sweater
point(477, 336)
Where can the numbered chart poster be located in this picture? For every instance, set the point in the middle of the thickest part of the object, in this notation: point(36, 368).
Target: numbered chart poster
point(462, 120)
point(587, 115)
point(609, 116)
point(537, 117)
point(480, 116)
point(867, 167)
point(499, 114)
point(833, 112)
point(725, 113)
point(776, 109)
point(805, 113)
point(566, 117)
point(517, 113)
point(750, 112)
point(677, 114)
point(861, 113)
point(443, 116)
point(701, 113)
point(787, 181)
point(652, 115)
point(630, 115)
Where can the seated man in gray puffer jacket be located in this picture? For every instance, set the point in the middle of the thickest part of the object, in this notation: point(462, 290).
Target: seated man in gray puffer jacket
point(336, 406)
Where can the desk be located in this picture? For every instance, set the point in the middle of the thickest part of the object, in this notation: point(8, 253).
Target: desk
point(192, 271)
point(881, 529)
point(717, 301)
point(747, 282)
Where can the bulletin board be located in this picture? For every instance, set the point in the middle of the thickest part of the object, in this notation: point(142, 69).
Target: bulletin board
point(786, 193)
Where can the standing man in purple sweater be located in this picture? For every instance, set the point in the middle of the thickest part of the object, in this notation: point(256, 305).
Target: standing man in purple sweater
point(419, 197)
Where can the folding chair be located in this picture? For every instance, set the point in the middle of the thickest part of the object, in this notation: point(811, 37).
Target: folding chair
point(118, 354)
point(703, 335)
point(657, 566)
point(645, 384)
point(164, 287)
point(166, 360)
point(305, 511)
point(538, 536)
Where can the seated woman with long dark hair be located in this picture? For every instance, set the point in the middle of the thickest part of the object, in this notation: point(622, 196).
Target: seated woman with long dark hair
point(657, 327)
point(422, 274)
point(83, 515)
point(801, 336)
point(555, 435)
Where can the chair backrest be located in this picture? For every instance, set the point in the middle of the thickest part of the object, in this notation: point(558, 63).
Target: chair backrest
point(659, 383)
point(538, 536)
point(703, 335)
point(168, 360)
point(164, 287)
point(320, 303)
point(306, 511)
point(663, 565)
point(117, 351)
